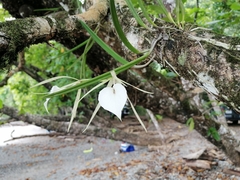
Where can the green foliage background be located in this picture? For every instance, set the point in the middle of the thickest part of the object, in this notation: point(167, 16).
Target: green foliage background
point(52, 61)
point(223, 17)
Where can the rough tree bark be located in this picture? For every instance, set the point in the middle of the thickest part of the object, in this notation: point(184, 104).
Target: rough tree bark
point(197, 55)
point(99, 128)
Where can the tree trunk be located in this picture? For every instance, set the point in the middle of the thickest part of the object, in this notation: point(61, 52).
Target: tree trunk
point(98, 128)
point(195, 54)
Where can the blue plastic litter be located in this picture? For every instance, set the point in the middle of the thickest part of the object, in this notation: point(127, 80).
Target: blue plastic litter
point(126, 147)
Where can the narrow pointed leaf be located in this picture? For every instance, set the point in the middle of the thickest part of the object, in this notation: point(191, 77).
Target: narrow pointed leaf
point(53, 79)
point(119, 30)
point(46, 9)
point(104, 45)
point(182, 9)
point(88, 150)
point(165, 12)
point(180, 13)
point(76, 47)
point(145, 13)
point(81, 84)
point(135, 14)
point(177, 11)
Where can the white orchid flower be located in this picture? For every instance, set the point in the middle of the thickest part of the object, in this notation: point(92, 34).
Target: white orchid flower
point(114, 97)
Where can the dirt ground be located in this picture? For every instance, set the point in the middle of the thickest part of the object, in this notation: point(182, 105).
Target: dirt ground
point(86, 157)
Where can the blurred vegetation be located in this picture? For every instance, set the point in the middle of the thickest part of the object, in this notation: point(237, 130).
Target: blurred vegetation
point(222, 17)
point(3, 14)
point(51, 61)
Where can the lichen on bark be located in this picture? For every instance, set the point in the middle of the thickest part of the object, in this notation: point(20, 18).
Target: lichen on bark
point(15, 35)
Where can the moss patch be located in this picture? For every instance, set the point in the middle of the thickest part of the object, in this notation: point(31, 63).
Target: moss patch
point(16, 35)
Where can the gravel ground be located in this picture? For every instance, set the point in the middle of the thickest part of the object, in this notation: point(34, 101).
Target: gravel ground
point(66, 158)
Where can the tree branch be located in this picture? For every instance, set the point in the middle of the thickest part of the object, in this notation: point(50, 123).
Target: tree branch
point(18, 34)
point(21, 62)
point(34, 74)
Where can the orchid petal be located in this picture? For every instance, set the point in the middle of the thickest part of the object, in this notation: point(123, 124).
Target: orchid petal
point(53, 89)
point(113, 99)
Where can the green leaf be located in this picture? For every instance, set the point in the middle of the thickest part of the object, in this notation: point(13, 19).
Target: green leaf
point(53, 79)
point(156, 66)
point(2, 122)
point(165, 12)
point(1, 104)
point(214, 133)
point(216, 136)
point(177, 11)
point(83, 57)
point(88, 150)
point(159, 117)
point(81, 84)
point(104, 45)
point(235, 6)
point(76, 47)
point(190, 123)
point(113, 130)
point(182, 12)
point(154, 9)
point(164, 72)
point(47, 9)
point(119, 30)
point(145, 13)
point(135, 14)
point(171, 74)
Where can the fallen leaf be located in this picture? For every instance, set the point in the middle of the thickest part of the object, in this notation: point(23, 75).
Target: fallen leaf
point(194, 155)
point(231, 172)
point(116, 173)
point(88, 150)
point(198, 164)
